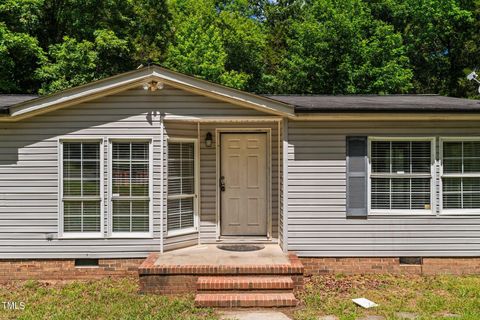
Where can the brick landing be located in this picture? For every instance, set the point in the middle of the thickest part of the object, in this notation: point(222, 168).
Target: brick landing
point(226, 285)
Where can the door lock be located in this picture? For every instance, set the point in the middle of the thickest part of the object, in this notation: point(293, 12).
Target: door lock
point(222, 183)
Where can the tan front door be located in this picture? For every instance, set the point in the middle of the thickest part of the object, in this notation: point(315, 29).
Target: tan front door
point(243, 184)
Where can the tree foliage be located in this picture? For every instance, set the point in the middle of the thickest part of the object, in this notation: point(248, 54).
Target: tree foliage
point(197, 47)
point(72, 63)
point(338, 47)
point(20, 55)
point(264, 46)
point(437, 37)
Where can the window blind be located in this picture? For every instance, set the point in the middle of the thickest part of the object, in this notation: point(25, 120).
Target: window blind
point(400, 175)
point(81, 187)
point(461, 175)
point(181, 185)
point(130, 187)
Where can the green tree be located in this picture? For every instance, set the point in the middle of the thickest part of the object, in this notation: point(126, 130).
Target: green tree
point(72, 63)
point(22, 16)
point(470, 54)
point(150, 30)
point(438, 37)
point(284, 46)
point(337, 47)
point(20, 55)
point(197, 47)
point(85, 39)
point(244, 39)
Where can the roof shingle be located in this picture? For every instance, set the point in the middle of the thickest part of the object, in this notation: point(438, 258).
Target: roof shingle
point(378, 103)
point(7, 100)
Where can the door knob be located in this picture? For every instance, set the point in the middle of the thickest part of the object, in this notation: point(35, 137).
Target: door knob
point(222, 183)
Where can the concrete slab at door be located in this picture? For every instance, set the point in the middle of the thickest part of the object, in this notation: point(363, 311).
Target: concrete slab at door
point(243, 171)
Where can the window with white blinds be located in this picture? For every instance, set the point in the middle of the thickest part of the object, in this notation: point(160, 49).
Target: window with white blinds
point(461, 174)
point(130, 187)
point(181, 186)
point(81, 190)
point(401, 175)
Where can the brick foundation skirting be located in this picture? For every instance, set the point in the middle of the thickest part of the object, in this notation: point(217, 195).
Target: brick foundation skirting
point(64, 269)
point(184, 279)
point(430, 266)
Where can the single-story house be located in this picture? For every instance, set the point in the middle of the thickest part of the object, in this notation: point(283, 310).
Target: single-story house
point(153, 161)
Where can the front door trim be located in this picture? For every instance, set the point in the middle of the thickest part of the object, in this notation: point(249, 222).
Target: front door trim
point(218, 132)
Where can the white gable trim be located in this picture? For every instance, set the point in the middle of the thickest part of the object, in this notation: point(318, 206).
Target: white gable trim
point(135, 78)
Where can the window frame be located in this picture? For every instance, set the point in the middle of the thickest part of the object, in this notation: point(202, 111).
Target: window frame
point(112, 234)
point(442, 175)
point(196, 207)
point(402, 212)
point(80, 235)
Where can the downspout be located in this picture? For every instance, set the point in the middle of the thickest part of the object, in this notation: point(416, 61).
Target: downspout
point(162, 162)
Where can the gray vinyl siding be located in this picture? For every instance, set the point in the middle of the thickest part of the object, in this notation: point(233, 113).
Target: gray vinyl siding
point(316, 181)
point(29, 169)
point(317, 222)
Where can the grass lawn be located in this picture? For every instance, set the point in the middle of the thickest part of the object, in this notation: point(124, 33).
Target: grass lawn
point(102, 299)
point(429, 297)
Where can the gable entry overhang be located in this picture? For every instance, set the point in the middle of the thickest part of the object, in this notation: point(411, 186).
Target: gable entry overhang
point(138, 77)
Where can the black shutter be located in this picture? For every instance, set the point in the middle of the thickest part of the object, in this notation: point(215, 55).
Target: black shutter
point(357, 176)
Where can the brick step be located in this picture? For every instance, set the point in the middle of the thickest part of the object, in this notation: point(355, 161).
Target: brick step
point(245, 300)
point(244, 283)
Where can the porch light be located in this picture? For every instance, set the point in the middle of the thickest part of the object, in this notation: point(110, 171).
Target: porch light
point(153, 85)
point(208, 140)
